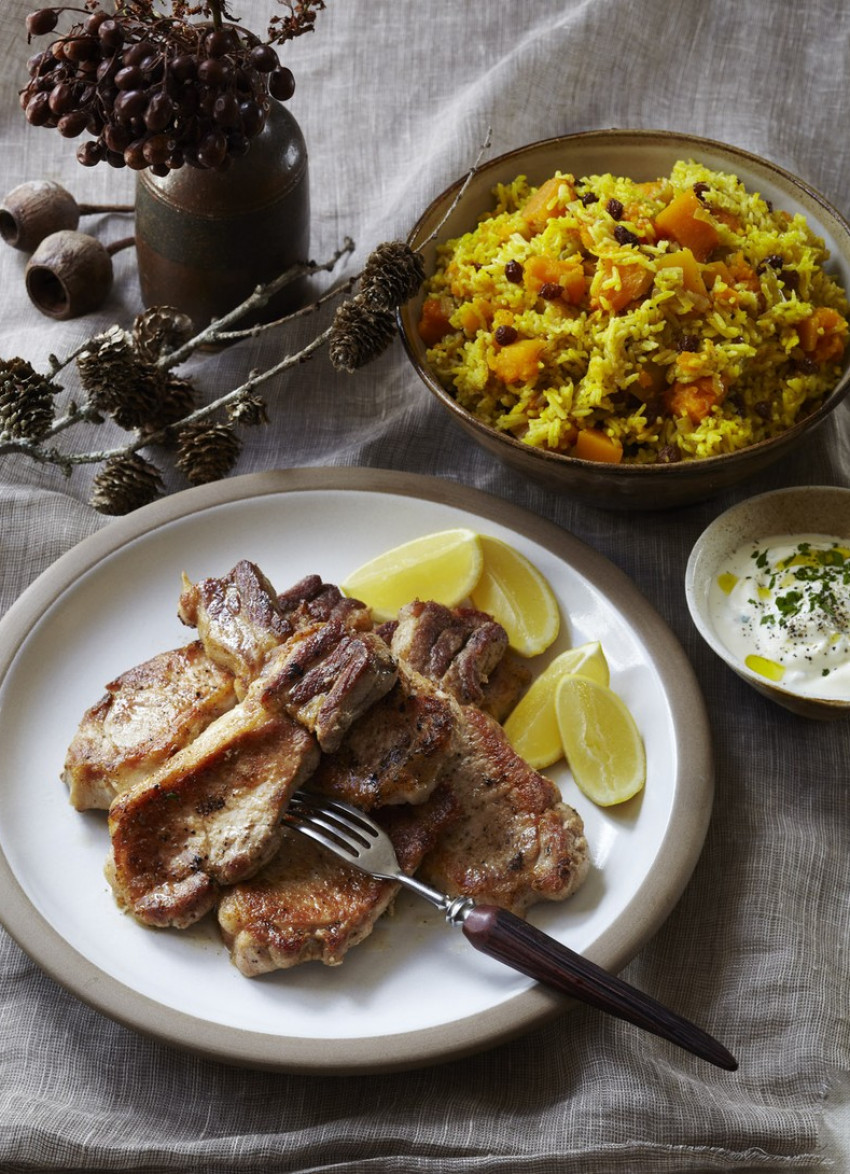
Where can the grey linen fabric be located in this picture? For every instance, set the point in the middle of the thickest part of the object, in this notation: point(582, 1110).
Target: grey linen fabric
point(395, 99)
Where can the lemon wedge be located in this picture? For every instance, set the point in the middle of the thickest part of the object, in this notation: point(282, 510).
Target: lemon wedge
point(532, 726)
point(601, 740)
point(517, 595)
point(444, 566)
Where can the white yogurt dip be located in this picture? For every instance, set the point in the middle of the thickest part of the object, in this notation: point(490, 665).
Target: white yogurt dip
point(782, 606)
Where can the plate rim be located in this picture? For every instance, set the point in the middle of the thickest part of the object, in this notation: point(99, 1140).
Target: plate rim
point(617, 945)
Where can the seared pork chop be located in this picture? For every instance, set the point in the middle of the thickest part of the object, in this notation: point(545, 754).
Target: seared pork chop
point(514, 841)
point(308, 905)
point(237, 619)
point(397, 752)
point(211, 815)
point(146, 715)
point(463, 651)
point(240, 618)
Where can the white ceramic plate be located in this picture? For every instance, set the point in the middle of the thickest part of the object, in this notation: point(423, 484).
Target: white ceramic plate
point(415, 991)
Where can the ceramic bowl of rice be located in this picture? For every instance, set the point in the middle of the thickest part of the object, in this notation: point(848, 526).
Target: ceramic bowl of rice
point(638, 318)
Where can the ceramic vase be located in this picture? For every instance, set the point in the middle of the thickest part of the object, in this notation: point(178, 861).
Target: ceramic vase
point(206, 239)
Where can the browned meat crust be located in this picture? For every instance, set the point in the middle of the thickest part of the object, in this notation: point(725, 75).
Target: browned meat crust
point(146, 715)
point(308, 905)
point(514, 841)
point(506, 684)
point(457, 648)
point(398, 750)
point(208, 818)
point(237, 618)
point(463, 651)
point(331, 676)
point(311, 601)
point(336, 668)
point(240, 619)
point(211, 816)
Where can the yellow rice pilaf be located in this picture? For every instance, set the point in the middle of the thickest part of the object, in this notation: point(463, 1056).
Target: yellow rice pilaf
point(636, 322)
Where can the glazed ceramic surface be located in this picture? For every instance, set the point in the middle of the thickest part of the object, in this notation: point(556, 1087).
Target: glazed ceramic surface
point(415, 991)
point(206, 239)
point(799, 510)
point(642, 155)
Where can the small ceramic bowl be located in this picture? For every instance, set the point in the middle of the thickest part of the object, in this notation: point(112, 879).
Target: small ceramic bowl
point(641, 155)
point(799, 510)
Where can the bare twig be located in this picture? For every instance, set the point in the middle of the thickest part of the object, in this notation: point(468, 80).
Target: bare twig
point(485, 146)
point(262, 327)
point(255, 379)
point(214, 333)
point(363, 325)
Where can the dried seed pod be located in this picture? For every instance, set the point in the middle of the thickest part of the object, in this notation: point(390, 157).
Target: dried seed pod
point(359, 334)
point(392, 274)
point(207, 452)
point(159, 330)
point(69, 274)
point(125, 483)
point(34, 210)
point(26, 400)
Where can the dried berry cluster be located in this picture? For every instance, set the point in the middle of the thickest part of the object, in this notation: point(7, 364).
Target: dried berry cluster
point(158, 92)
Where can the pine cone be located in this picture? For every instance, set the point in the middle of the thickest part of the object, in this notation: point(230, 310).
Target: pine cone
point(392, 274)
point(159, 331)
point(359, 334)
point(207, 452)
point(26, 400)
point(250, 410)
point(125, 483)
point(119, 383)
point(176, 400)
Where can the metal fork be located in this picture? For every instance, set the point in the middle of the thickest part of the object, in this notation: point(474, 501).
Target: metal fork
point(353, 836)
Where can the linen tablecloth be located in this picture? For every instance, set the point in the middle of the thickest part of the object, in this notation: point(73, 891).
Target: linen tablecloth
point(395, 99)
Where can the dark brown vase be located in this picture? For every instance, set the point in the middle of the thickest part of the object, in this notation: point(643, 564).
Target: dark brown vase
point(206, 239)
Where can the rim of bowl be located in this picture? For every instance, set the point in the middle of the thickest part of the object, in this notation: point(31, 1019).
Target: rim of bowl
point(417, 239)
point(697, 586)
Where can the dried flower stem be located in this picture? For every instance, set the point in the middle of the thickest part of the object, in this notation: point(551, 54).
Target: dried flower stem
point(303, 311)
point(255, 380)
point(210, 335)
point(216, 331)
point(128, 375)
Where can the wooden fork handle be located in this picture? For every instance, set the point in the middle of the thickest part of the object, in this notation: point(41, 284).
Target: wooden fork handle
point(523, 947)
